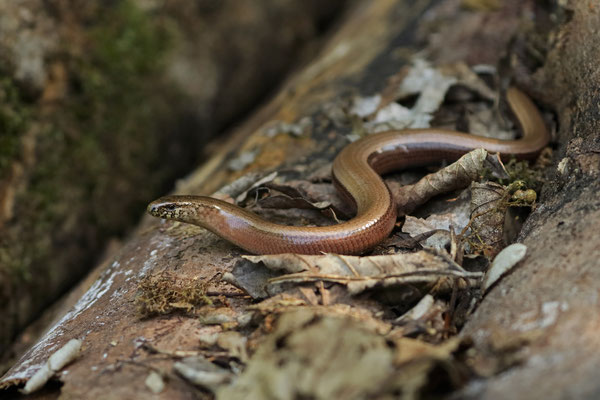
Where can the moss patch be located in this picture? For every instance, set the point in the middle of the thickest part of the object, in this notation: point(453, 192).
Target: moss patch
point(116, 110)
point(95, 153)
point(13, 123)
point(165, 293)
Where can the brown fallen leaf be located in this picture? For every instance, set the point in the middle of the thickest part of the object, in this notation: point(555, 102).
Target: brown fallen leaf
point(470, 78)
point(309, 195)
point(303, 356)
point(362, 273)
point(368, 316)
point(457, 175)
point(503, 262)
point(424, 321)
point(247, 186)
point(484, 121)
point(201, 372)
point(290, 364)
point(437, 226)
point(402, 240)
point(418, 311)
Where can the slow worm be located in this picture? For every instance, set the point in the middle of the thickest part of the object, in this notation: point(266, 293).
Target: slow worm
point(356, 173)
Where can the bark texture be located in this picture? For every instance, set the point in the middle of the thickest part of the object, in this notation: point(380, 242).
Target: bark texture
point(552, 301)
point(103, 104)
point(545, 312)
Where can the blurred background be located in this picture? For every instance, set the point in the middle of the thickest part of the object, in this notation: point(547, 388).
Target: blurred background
point(104, 104)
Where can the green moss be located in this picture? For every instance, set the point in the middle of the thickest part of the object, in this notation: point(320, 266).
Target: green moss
point(94, 156)
point(530, 175)
point(117, 106)
point(13, 123)
point(126, 46)
point(90, 151)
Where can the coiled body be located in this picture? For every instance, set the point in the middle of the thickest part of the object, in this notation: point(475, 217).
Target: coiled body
point(356, 172)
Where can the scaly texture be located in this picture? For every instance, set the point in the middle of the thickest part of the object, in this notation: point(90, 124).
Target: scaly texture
point(356, 172)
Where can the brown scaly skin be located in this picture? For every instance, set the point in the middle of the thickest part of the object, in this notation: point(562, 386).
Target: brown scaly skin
point(356, 172)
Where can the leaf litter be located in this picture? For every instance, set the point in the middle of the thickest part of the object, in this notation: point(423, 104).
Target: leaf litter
point(332, 326)
point(386, 321)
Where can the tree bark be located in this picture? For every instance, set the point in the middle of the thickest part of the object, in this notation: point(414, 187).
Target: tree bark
point(553, 296)
point(95, 96)
point(537, 326)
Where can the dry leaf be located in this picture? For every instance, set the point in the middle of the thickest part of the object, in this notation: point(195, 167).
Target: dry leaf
point(467, 77)
point(249, 190)
point(303, 358)
point(251, 278)
point(298, 202)
point(234, 343)
point(484, 121)
point(424, 321)
point(455, 176)
point(362, 273)
point(424, 368)
point(428, 82)
point(201, 372)
point(417, 311)
point(504, 262)
point(402, 240)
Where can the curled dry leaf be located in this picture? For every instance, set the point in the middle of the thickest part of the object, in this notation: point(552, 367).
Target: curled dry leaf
point(417, 311)
point(362, 273)
point(305, 195)
point(484, 121)
point(504, 262)
point(296, 194)
point(201, 372)
point(234, 343)
point(445, 215)
point(467, 76)
point(251, 187)
point(367, 315)
point(430, 83)
point(425, 321)
point(455, 176)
